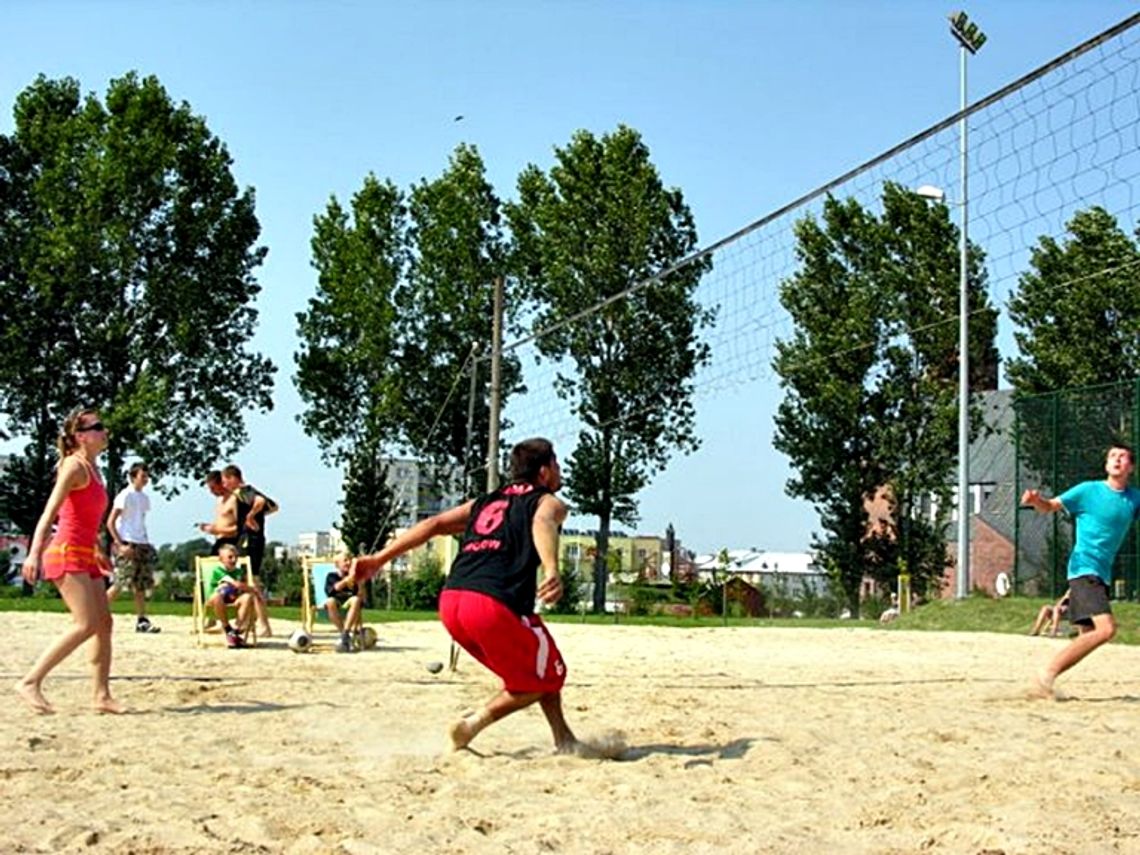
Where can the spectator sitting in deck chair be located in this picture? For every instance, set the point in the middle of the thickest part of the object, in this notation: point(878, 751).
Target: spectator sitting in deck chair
point(347, 598)
point(228, 588)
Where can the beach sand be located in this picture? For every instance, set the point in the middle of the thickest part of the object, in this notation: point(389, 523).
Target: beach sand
point(738, 740)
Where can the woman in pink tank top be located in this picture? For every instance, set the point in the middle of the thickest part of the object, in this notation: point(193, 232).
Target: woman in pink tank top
point(74, 560)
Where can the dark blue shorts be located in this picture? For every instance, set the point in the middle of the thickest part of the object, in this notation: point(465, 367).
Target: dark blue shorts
point(1089, 598)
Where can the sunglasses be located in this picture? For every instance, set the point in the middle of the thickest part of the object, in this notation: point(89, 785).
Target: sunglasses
point(90, 427)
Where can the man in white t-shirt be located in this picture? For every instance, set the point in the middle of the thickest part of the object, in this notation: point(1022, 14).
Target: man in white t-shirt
point(135, 558)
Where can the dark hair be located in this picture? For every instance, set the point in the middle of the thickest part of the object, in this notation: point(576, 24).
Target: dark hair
point(136, 468)
point(528, 457)
point(1123, 447)
point(214, 476)
point(232, 471)
point(66, 442)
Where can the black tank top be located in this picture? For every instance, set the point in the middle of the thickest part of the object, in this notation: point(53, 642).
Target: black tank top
point(497, 556)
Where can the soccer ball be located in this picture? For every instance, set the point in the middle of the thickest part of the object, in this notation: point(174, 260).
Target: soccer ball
point(300, 641)
point(370, 638)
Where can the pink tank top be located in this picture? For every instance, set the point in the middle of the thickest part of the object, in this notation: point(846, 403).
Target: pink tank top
point(81, 512)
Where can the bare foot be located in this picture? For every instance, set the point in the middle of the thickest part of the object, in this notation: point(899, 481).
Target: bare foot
point(607, 746)
point(109, 706)
point(576, 748)
point(1041, 686)
point(34, 698)
point(460, 734)
point(265, 632)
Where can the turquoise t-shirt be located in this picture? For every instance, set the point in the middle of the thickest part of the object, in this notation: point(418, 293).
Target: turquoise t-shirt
point(1103, 516)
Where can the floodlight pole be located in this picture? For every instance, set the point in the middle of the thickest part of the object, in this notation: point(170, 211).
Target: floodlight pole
point(970, 39)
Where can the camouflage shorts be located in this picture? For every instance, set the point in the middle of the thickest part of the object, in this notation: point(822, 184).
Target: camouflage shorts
point(134, 567)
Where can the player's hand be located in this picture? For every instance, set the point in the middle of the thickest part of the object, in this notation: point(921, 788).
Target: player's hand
point(550, 591)
point(251, 524)
point(204, 528)
point(1030, 497)
point(31, 570)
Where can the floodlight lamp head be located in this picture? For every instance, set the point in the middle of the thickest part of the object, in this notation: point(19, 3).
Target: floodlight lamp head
point(929, 191)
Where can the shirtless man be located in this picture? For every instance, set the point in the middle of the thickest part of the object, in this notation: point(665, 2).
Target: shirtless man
point(226, 533)
point(224, 528)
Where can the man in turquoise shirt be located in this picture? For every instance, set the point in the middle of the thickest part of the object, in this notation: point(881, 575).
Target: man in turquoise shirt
point(1103, 511)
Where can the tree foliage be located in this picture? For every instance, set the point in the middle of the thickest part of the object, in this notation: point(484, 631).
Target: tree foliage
point(404, 291)
point(1078, 308)
point(369, 502)
point(870, 375)
point(127, 259)
point(598, 224)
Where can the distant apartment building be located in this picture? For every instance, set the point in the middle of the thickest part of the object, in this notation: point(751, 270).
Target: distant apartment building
point(420, 492)
point(641, 555)
point(316, 544)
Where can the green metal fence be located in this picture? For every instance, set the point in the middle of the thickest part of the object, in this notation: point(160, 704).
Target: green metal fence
point(1061, 439)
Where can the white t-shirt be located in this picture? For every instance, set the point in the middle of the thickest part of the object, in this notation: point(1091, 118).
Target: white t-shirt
point(134, 505)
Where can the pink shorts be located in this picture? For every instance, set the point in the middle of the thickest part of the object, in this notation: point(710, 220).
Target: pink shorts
point(62, 558)
point(518, 649)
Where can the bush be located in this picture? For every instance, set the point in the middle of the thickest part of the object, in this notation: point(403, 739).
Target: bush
point(873, 607)
point(288, 581)
point(174, 586)
point(419, 590)
point(572, 593)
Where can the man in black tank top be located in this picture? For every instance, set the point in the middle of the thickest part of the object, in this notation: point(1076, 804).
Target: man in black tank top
point(489, 598)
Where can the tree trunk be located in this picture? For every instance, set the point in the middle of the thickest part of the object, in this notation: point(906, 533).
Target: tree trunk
point(601, 564)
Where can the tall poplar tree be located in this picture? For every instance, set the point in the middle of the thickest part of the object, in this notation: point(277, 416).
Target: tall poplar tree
point(599, 223)
point(403, 292)
point(870, 378)
point(1077, 309)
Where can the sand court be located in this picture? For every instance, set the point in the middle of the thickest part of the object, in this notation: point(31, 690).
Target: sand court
point(738, 739)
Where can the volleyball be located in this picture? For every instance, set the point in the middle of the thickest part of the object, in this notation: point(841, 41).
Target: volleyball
point(370, 638)
point(300, 641)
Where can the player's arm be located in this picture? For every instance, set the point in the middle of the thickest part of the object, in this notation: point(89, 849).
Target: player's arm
point(1034, 499)
point(548, 519)
point(113, 527)
point(452, 521)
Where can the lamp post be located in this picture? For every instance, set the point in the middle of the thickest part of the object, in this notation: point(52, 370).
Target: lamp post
point(970, 39)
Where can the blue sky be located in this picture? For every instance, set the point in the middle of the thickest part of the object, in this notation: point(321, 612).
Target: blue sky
point(744, 105)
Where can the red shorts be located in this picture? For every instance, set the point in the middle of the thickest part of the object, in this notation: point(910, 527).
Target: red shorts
point(517, 649)
point(62, 558)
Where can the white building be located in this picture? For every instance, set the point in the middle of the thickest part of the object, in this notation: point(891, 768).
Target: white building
point(418, 494)
point(788, 570)
point(319, 543)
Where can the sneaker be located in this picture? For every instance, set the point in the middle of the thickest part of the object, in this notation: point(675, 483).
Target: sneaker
point(234, 640)
point(345, 645)
point(144, 625)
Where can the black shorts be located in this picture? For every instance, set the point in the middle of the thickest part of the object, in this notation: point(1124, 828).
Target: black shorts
point(1089, 598)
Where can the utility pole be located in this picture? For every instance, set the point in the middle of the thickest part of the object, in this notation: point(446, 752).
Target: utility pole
point(496, 381)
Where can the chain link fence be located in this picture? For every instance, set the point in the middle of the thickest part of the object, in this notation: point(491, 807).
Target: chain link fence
point(1061, 439)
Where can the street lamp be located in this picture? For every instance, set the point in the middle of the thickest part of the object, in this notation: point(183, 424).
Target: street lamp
point(970, 39)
